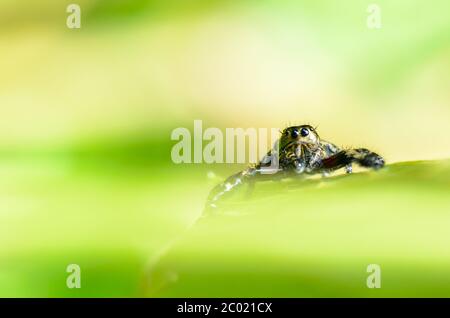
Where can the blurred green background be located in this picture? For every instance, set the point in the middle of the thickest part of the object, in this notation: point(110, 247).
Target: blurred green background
point(85, 170)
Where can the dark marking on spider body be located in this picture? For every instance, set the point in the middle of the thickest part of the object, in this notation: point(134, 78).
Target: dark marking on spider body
point(299, 151)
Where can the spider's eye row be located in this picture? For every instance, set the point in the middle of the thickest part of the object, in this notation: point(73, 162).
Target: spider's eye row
point(304, 132)
point(294, 133)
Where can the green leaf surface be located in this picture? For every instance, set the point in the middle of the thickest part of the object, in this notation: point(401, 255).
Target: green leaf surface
point(308, 238)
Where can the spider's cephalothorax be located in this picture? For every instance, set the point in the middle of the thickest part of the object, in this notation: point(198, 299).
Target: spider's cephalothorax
point(298, 151)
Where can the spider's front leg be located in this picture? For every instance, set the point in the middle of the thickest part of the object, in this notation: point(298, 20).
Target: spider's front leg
point(247, 177)
point(345, 158)
point(226, 187)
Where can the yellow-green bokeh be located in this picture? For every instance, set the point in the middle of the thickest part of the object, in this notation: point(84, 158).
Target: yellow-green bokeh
point(86, 114)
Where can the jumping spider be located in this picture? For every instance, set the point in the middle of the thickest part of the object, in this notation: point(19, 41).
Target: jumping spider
point(299, 150)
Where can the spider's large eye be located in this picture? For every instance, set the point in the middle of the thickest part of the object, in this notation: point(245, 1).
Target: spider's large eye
point(304, 132)
point(294, 133)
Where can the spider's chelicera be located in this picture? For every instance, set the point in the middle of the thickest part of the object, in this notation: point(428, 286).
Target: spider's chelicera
point(299, 150)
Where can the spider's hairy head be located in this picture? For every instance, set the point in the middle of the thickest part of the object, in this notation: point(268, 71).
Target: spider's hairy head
point(303, 134)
